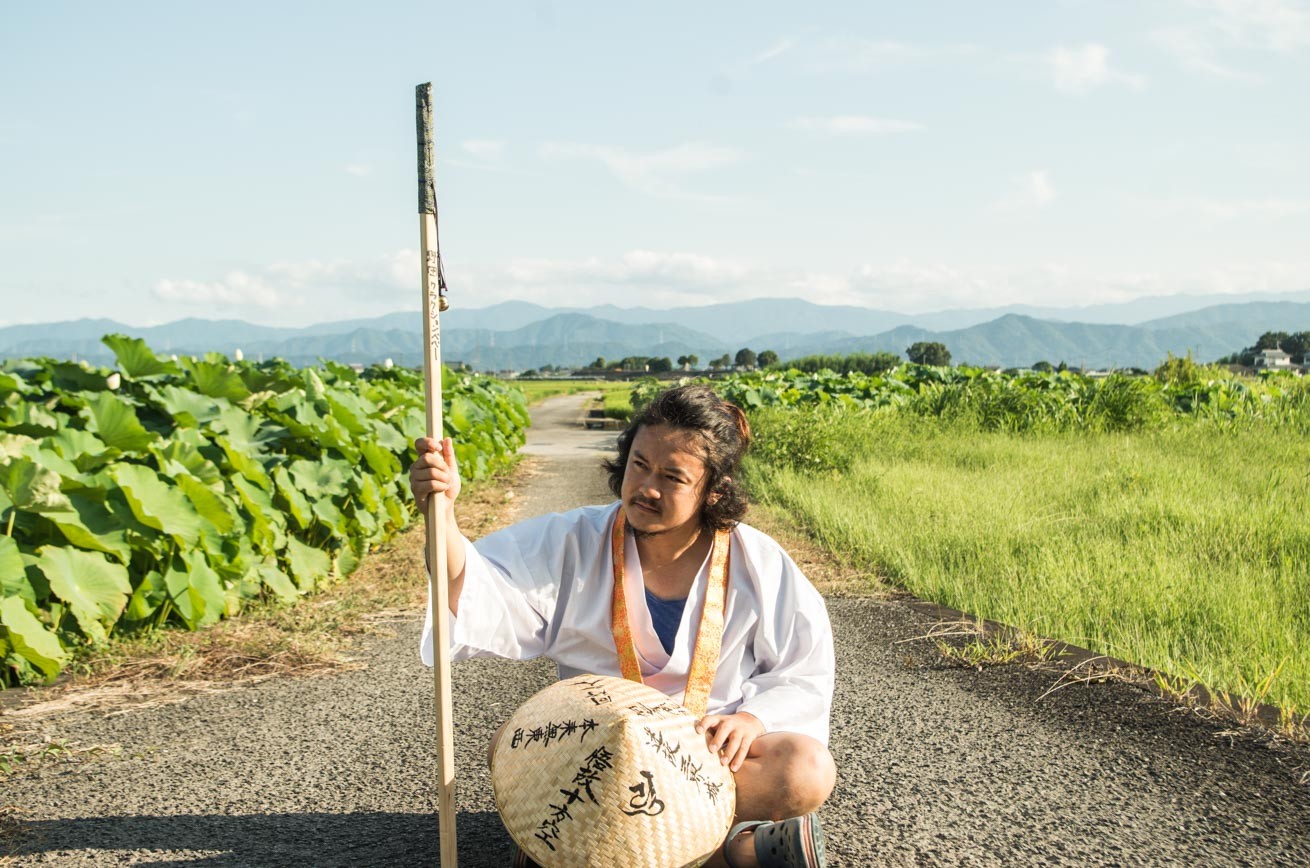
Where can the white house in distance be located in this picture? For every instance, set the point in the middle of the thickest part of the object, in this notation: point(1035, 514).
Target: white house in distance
point(1273, 359)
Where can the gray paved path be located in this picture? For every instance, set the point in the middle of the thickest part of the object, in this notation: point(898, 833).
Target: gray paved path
point(937, 766)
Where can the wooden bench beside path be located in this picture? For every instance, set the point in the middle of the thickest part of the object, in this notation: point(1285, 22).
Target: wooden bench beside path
point(593, 416)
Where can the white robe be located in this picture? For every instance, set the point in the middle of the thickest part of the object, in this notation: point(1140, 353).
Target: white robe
point(544, 587)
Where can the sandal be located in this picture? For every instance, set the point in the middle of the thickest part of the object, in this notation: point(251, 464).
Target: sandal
point(794, 843)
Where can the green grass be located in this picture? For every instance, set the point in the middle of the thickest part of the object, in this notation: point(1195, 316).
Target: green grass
point(1186, 550)
point(539, 390)
point(618, 403)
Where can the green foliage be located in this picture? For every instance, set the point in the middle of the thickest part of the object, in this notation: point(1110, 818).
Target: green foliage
point(1031, 401)
point(863, 363)
point(171, 493)
point(745, 358)
point(928, 353)
point(821, 438)
point(1271, 341)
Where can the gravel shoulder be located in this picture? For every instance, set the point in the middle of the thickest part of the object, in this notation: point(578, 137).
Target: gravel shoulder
point(938, 766)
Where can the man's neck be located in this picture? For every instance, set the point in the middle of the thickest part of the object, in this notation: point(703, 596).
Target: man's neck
point(673, 554)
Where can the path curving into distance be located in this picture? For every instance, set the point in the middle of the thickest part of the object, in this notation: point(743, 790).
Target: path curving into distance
point(937, 766)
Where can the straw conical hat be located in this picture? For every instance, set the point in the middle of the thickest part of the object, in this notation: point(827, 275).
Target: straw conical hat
point(601, 771)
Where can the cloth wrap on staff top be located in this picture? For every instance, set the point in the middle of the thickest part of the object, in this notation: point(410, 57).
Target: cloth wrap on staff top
point(603, 771)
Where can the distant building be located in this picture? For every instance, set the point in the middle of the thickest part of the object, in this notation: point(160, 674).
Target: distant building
point(1273, 359)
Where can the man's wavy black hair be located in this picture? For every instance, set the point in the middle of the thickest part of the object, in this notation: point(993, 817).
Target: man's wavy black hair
point(724, 436)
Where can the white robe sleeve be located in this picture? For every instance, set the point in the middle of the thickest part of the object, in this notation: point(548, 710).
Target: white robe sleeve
point(511, 583)
point(792, 683)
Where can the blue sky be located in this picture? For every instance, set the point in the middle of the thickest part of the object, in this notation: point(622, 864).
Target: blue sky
point(256, 160)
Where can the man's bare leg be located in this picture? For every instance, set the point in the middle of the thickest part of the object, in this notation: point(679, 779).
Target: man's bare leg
point(785, 775)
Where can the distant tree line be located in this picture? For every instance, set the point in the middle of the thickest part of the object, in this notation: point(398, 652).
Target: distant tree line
point(863, 363)
point(921, 353)
point(1295, 344)
point(745, 358)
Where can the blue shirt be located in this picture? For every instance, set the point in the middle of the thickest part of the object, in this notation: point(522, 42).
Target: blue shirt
point(666, 615)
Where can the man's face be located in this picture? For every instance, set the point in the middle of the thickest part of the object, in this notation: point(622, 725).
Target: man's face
point(663, 480)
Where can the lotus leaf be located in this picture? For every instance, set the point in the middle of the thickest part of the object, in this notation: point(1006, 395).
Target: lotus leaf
point(137, 360)
point(266, 522)
point(35, 420)
point(31, 487)
point(150, 593)
point(116, 423)
point(297, 506)
point(157, 504)
point(217, 379)
point(94, 589)
point(324, 478)
point(195, 589)
point(13, 575)
point(278, 582)
point(29, 638)
point(245, 464)
point(213, 506)
point(90, 525)
point(308, 565)
point(188, 409)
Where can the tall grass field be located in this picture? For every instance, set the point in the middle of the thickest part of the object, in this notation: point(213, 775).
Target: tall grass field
point(1183, 547)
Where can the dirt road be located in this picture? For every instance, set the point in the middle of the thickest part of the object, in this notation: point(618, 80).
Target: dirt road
point(938, 766)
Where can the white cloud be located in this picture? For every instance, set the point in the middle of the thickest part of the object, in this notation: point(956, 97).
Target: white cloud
point(655, 173)
point(773, 52)
point(359, 170)
point(1225, 209)
point(1039, 186)
point(854, 125)
point(1272, 25)
point(318, 291)
point(1032, 191)
point(860, 54)
point(1195, 52)
point(634, 267)
point(1086, 67)
point(918, 287)
point(321, 289)
point(484, 149)
point(1276, 26)
point(236, 288)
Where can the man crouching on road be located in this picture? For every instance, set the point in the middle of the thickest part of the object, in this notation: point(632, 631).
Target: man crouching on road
point(544, 587)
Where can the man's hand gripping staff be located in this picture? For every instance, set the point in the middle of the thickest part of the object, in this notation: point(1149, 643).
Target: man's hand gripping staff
point(435, 473)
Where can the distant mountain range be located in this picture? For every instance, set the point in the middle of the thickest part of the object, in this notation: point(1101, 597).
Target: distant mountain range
point(519, 335)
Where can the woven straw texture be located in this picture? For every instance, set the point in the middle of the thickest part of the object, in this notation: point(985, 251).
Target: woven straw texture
point(601, 771)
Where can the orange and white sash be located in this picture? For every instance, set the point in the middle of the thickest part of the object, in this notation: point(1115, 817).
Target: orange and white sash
point(709, 635)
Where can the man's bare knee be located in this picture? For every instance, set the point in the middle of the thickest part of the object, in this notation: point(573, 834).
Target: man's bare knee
point(793, 775)
point(806, 774)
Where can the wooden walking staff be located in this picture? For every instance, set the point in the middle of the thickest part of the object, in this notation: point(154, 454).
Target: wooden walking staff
point(434, 301)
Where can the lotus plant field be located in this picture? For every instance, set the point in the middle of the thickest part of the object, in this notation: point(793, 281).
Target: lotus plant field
point(1031, 401)
point(175, 491)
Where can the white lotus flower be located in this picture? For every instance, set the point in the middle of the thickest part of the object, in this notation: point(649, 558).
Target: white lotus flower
point(388, 364)
point(113, 381)
point(238, 355)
